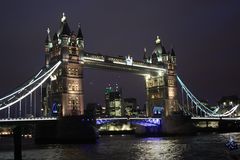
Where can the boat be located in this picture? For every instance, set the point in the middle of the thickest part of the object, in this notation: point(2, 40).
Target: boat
point(233, 150)
point(231, 144)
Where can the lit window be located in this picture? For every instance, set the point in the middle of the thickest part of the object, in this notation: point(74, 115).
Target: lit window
point(60, 72)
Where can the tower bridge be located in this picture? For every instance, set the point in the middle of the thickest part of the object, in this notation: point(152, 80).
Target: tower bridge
point(60, 81)
point(66, 90)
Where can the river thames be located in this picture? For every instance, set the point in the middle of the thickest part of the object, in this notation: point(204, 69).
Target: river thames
point(128, 147)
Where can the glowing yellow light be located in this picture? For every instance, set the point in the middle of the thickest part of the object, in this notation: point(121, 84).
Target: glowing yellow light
point(160, 73)
point(158, 40)
point(147, 76)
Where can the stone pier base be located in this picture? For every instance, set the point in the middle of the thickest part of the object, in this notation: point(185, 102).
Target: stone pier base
point(177, 124)
point(74, 129)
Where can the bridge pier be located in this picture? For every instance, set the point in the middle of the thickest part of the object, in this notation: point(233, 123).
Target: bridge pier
point(17, 139)
point(177, 124)
point(70, 130)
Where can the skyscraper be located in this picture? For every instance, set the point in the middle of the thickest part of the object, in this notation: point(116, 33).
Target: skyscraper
point(113, 101)
point(130, 107)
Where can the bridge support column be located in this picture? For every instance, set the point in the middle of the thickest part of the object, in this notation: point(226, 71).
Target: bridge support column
point(17, 139)
point(177, 125)
point(65, 90)
point(68, 129)
point(155, 90)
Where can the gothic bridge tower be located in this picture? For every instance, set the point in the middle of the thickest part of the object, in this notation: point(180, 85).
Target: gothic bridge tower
point(64, 92)
point(161, 88)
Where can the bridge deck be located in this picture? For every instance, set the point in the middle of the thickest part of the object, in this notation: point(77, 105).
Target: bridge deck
point(120, 63)
point(216, 118)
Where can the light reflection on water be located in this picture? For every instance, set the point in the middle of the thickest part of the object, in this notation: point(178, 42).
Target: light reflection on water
point(200, 147)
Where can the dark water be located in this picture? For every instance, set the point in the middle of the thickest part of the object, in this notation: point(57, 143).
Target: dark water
point(199, 147)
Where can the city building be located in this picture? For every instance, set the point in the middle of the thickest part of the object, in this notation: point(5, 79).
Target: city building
point(113, 101)
point(94, 110)
point(228, 102)
point(130, 107)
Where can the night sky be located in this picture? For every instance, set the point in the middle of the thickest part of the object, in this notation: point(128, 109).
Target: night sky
point(204, 34)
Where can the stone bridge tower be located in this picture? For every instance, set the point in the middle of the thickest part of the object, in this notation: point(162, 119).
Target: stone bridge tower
point(161, 88)
point(64, 92)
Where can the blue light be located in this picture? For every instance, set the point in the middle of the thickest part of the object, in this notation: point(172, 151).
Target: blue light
point(144, 122)
point(54, 108)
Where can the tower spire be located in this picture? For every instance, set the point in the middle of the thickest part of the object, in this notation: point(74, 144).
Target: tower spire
point(173, 52)
point(158, 40)
point(48, 38)
point(64, 28)
point(63, 17)
point(145, 54)
point(79, 35)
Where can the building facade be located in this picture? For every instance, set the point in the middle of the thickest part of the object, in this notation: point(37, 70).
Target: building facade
point(226, 103)
point(130, 107)
point(113, 101)
point(94, 110)
point(64, 92)
point(161, 88)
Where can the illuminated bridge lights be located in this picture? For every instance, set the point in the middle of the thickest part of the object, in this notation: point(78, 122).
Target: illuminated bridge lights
point(30, 87)
point(148, 122)
point(199, 105)
point(127, 61)
point(102, 121)
point(139, 121)
point(28, 119)
point(94, 59)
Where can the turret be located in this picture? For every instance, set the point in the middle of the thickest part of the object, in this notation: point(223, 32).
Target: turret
point(48, 41)
point(48, 46)
point(64, 31)
point(157, 54)
point(173, 56)
point(164, 54)
point(80, 41)
point(171, 101)
point(55, 38)
point(145, 58)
